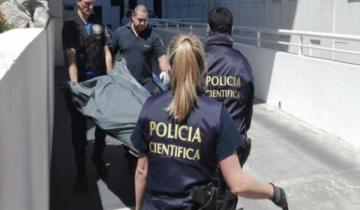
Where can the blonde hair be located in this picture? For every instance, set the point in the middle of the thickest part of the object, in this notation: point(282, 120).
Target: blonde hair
point(186, 58)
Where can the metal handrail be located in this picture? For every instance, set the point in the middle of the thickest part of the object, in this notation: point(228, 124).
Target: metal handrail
point(278, 31)
point(192, 20)
point(259, 34)
point(182, 22)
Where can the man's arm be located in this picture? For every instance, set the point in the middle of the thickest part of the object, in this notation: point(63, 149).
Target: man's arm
point(114, 46)
point(160, 52)
point(140, 180)
point(246, 186)
point(71, 58)
point(108, 60)
point(68, 32)
point(240, 183)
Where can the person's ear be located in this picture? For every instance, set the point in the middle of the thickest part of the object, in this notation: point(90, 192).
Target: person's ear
point(208, 30)
point(132, 16)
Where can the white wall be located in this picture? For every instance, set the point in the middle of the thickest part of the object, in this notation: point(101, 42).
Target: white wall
point(347, 17)
point(26, 117)
point(322, 93)
point(56, 14)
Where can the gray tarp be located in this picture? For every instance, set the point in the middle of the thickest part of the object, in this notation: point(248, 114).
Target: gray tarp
point(113, 102)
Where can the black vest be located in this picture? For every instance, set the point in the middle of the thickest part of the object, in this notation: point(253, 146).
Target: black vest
point(181, 155)
point(90, 55)
point(229, 79)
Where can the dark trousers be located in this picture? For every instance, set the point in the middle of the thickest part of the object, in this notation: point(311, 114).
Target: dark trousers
point(225, 200)
point(78, 134)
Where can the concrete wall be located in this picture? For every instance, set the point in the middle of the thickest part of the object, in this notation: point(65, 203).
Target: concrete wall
point(26, 117)
point(322, 93)
point(56, 14)
point(347, 12)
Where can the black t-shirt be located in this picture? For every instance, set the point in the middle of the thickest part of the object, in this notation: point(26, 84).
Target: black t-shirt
point(89, 40)
point(138, 51)
point(182, 155)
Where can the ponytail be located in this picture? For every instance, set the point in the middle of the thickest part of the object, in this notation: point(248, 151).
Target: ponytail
point(186, 56)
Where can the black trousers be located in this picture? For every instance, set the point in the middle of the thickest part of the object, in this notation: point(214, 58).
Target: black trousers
point(225, 200)
point(78, 134)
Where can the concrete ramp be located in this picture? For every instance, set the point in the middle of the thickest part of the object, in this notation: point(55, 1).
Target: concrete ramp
point(317, 170)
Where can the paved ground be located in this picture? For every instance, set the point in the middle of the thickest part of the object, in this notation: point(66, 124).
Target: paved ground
point(317, 170)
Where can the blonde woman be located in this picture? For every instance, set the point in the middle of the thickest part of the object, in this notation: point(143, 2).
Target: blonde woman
point(183, 135)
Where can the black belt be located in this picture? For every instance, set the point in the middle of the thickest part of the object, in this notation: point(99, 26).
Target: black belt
point(91, 73)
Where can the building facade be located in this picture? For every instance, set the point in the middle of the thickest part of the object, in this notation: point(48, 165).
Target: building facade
point(331, 16)
point(112, 11)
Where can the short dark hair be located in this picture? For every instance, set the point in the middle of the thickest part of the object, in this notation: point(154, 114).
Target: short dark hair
point(220, 20)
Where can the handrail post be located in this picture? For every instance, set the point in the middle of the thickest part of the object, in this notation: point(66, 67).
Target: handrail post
point(177, 27)
point(300, 45)
point(258, 38)
point(191, 28)
point(333, 47)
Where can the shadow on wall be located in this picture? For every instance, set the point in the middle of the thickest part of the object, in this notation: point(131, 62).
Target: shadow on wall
point(275, 14)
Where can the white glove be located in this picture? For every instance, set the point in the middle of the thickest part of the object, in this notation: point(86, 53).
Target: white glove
point(165, 77)
point(74, 86)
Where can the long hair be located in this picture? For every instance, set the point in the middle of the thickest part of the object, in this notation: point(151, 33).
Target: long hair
point(186, 58)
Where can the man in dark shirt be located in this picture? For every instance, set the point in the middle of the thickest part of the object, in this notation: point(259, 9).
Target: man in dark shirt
point(139, 44)
point(84, 42)
point(229, 79)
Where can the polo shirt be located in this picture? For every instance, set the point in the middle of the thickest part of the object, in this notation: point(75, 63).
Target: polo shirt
point(138, 51)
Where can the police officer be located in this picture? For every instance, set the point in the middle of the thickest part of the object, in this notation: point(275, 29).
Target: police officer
point(139, 44)
point(229, 80)
point(182, 136)
point(84, 42)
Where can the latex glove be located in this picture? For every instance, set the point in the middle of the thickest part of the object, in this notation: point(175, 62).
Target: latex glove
point(279, 197)
point(165, 77)
point(74, 86)
point(75, 94)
